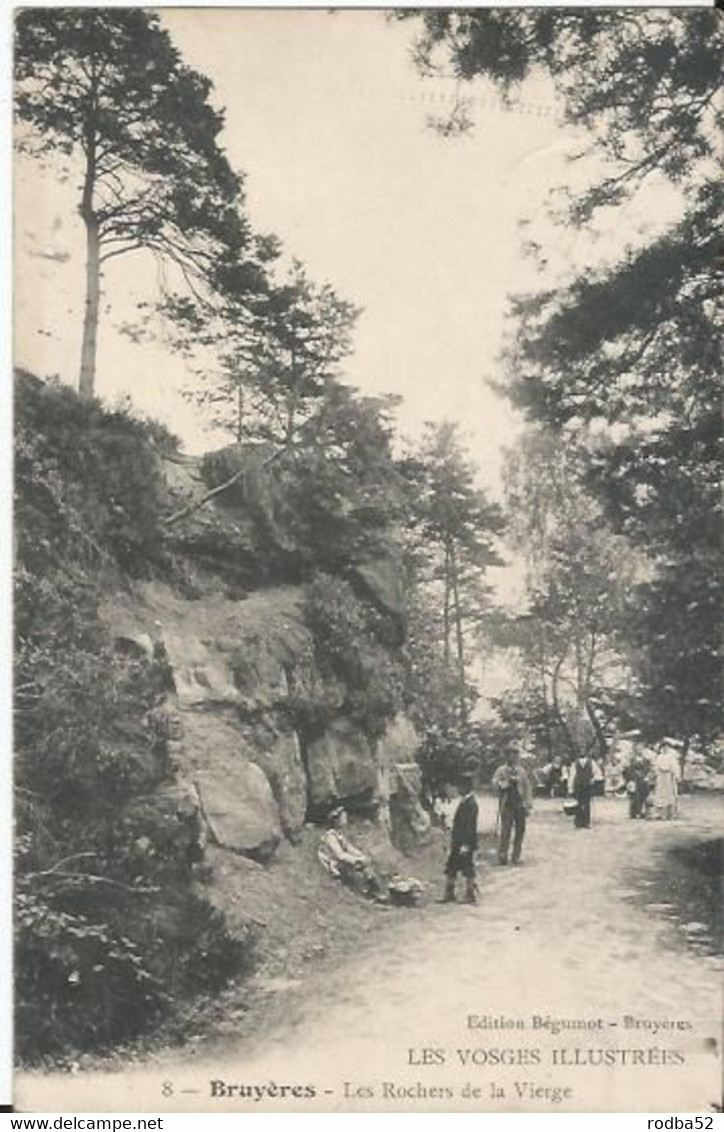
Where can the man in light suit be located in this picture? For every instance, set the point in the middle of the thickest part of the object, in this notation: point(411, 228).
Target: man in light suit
point(515, 803)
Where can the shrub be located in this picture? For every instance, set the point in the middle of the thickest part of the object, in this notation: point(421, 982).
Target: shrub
point(347, 648)
point(106, 936)
point(88, 481)
point(79, 985)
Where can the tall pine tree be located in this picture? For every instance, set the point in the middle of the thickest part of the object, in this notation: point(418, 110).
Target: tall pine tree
point(108, 89)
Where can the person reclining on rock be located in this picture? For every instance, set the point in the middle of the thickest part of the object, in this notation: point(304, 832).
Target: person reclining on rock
point(344, 860)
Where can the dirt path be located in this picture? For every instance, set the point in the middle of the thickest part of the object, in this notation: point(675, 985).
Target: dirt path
point(568, 936)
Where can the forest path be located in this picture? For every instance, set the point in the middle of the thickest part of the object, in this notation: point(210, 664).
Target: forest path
point(571, 934)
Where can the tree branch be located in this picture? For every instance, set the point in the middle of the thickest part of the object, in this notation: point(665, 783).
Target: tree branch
point(238, 475)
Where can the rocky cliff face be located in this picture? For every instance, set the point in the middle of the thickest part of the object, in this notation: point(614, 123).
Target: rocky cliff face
point(238, 665)
point(234, 670)
point(257, 618)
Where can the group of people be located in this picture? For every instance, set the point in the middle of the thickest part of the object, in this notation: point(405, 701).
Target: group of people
point(515, 794)
point(651, 786)
point(650, 778)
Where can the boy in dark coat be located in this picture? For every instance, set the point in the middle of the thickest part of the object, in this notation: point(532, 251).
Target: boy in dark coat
point(463, 845)
point(637, 776)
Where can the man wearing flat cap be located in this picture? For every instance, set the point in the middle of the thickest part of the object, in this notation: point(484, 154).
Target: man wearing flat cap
point(515, 801)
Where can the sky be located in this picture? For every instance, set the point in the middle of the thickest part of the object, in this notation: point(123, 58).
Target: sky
point(328, 119)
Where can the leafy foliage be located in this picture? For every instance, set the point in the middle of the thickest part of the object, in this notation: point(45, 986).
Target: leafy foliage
point(264, 365)
point(675, 624)
point(452, 529)
point(330, 500)
point(643, 83)
point(96, 961)
point(579, 589)
point(342, 486)
point(624, 359)
point(350, 646)
point(431, 681)
point(91, 486)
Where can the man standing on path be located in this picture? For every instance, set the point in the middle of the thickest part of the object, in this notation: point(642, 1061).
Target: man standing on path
point(585, 774)
point(516, 801)
point(464, 842)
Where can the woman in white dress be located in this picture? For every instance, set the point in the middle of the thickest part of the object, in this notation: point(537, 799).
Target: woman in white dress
point(667, 773)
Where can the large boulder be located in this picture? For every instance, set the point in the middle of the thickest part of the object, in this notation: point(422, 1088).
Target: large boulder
point(207, 526)
point(383, 580)
point(216, 737)
point(239, 807)
point(276, 750)
point(410, 823)
point(233, 665)
point(236, 796)
point(398, 744)
point(341, 767)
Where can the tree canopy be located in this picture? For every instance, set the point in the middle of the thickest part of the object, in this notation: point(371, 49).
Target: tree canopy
point(454, 529)
point(624, 358)
point(107, 90)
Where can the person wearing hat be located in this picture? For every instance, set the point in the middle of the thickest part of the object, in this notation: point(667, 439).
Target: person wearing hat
point(554, 778)
point(637, 776)
point(584, 777)
point(515, 803)
point(463, 844)
point(667, 775)
point(345, 861)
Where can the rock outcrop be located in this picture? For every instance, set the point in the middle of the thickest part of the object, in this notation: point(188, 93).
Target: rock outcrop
point(237, 669)
point(228, 663)
point(383, 580)
point(277, 751)
point(239, 808)
point(409, 823)
point(400, 784)
point(341, 767)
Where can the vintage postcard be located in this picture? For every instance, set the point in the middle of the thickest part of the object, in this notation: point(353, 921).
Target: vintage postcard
point(368, 740)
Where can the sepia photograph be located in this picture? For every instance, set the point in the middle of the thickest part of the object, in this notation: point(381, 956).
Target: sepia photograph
point(368, 749)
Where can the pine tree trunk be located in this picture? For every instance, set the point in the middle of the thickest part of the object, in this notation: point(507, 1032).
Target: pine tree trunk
point(573, 749)
point(87, 378)
point(446, 609)
point(86, 384)
point(547, 711)
point(458, 635)
point(291, 405)
point(239, 412)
